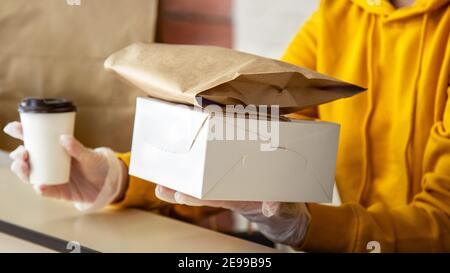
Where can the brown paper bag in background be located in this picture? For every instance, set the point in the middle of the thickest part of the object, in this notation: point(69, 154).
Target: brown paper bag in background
point(181, 73)
point(51, 49)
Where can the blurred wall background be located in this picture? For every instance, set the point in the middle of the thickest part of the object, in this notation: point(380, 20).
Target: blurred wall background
point(206, 22)
point(265, 27)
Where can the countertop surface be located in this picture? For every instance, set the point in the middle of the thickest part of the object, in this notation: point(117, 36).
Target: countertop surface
point(31, 223)
point(10, 244)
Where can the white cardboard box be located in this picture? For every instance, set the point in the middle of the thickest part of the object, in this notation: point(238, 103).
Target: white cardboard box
point(172, 146)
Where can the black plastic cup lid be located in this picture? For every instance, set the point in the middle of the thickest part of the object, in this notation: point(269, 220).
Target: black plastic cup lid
point(51, 105)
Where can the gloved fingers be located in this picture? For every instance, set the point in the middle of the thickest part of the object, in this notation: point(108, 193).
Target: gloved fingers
point(56, 191)
point(174, 197)
point(74, 148)
point(165, 194)
point(242, 207)
point(185, 199)
point(20, 153)
point(269, 209)
point(20, 165)
point(14, 129)
point(288, 225)
point(21, 169)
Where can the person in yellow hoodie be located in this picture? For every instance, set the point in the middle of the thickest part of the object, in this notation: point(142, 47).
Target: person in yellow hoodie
point(393, 169)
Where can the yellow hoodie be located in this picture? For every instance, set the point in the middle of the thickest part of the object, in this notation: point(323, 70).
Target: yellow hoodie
point(393, 170)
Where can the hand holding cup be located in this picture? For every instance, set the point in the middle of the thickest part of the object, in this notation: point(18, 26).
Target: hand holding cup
point(71, 171)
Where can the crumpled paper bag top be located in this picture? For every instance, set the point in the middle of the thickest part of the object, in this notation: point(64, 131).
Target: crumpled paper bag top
point(182, 73)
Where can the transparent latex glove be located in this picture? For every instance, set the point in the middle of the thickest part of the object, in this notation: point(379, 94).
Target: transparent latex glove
point(284, 223)
point(97, 177)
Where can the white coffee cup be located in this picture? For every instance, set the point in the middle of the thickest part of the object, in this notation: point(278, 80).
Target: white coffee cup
point(43, 122)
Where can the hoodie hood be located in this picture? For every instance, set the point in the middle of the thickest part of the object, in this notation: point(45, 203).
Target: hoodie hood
point(384, 7)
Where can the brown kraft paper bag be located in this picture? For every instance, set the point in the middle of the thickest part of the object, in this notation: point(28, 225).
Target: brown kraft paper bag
point(183, 73)
point(52, 49)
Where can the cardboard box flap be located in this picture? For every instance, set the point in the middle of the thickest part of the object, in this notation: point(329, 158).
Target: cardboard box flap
point(323, 159)
point(255, 176)
point(299, 149)
point(174, 137)
point(182, 73)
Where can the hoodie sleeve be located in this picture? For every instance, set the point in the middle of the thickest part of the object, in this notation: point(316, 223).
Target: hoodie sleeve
point(141, 194)
point(422, 225)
